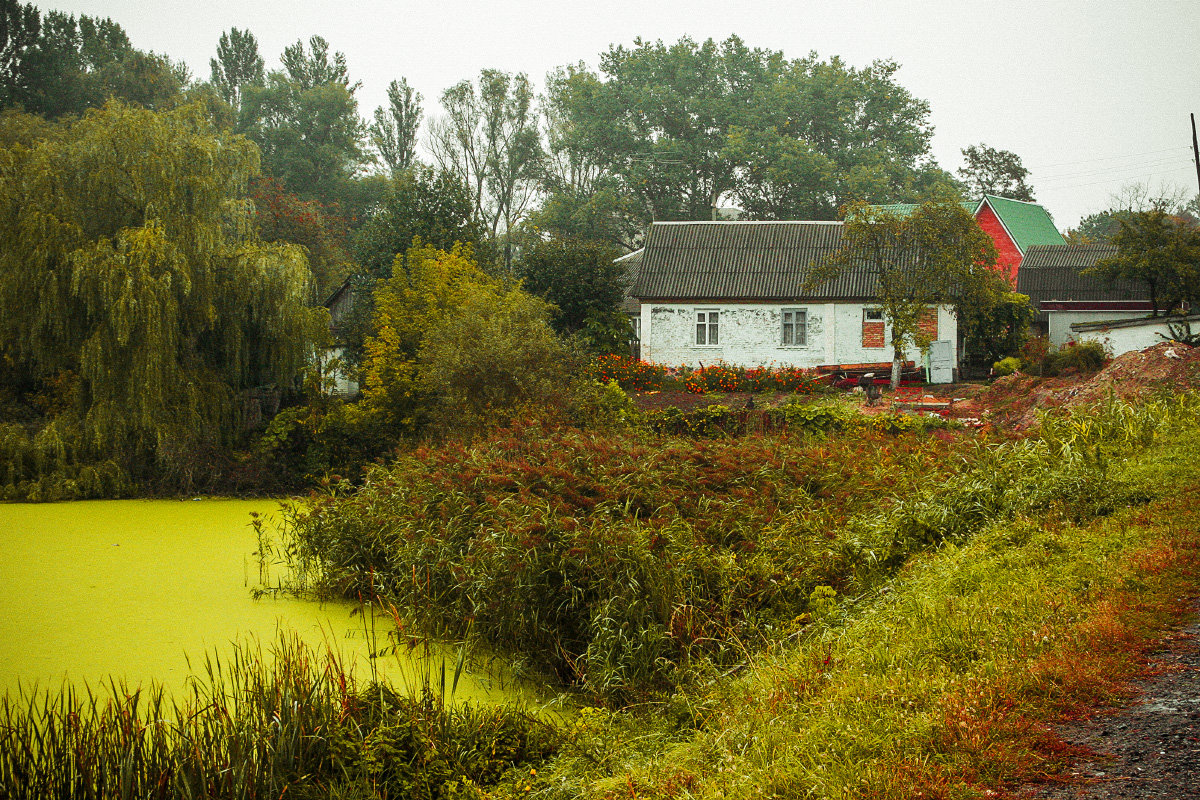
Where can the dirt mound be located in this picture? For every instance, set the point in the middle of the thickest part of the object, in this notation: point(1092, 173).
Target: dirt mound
point(1169, 366)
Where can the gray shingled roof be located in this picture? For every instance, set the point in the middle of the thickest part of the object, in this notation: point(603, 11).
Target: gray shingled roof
point(743, 261)
point(633, 264)
point(1052, 272)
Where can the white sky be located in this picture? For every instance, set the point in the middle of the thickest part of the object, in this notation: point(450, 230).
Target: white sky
point(1091, 95)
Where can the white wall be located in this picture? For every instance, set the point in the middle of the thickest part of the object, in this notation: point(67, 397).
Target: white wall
point(750, 335)
point(1060, 322)
point(1127, 339)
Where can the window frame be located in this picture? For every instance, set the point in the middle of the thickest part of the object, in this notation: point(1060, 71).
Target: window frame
point(712, 327)
point(801, 311)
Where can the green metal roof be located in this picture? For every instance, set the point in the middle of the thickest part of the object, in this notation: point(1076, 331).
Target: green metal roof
point(1027, 223)
point(904, 209)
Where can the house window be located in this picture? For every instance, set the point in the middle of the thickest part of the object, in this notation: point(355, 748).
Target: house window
point(795, 327)
point(872, 328)
point(706, 328)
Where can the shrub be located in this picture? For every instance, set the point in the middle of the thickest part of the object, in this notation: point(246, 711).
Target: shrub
point(1006, 366)
point(1081, 357)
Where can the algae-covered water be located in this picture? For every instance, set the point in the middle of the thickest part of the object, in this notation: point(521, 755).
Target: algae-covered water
point(132, 588)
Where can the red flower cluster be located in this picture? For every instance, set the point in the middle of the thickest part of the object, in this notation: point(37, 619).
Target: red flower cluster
point(726, 378)
point(631, 374)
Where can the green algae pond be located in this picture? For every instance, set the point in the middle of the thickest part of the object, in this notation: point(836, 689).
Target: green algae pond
point(133, 589)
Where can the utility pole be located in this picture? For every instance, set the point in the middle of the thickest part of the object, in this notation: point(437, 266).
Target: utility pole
point(1195, 150)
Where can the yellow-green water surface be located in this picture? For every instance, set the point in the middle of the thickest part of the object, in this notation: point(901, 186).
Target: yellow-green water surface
point(126, 588)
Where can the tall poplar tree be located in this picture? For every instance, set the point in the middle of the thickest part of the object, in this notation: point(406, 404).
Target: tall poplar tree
point(131, 272)
point(394, 131)
point(238, 64)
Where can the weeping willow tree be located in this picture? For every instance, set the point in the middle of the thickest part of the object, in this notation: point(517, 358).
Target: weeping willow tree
point(133, 286)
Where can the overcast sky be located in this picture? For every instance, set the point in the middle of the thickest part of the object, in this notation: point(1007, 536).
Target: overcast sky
point(1091, 95)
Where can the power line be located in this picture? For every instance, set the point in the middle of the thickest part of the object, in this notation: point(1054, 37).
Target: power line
point(1109, 181)
point(1110, 158)
point(1108, 170)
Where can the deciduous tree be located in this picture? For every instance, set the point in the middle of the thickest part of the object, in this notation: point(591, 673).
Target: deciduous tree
point(987, 170)
point(1159, 251)
point(934, 256)
point(238, 64)
point(488, 137)
point(305, 121)
point(394, 131)
point(583, 281)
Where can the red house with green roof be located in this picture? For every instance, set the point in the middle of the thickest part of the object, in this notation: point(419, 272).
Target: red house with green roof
point(1014, 226)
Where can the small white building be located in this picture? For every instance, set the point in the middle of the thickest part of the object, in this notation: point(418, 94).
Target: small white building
point(1124, 336)
point(734, 292)
point(1065, 296)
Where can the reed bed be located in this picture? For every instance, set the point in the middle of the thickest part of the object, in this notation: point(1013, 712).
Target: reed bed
point(289, 723)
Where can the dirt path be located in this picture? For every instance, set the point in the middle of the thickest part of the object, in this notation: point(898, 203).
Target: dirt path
point(1150, 748)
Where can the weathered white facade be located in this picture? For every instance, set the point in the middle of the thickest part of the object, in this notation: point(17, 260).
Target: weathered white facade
point(753, 334)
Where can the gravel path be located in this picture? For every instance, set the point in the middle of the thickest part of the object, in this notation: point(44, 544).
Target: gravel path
point(1151, 748)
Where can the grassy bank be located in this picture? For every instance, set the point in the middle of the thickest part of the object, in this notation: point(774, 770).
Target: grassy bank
point(942, 681)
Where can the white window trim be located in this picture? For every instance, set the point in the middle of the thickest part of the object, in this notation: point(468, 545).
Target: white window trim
point(793, 310)
point(708, 326)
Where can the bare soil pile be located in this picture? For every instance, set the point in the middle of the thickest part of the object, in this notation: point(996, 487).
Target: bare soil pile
point(1169, 366)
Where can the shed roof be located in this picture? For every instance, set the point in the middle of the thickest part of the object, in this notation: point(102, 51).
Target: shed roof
point(1052, 272)
point(752, 261)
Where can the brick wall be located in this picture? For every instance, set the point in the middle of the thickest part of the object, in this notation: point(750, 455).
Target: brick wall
point(929, 323)
point(1008, 256)
point(872, 334)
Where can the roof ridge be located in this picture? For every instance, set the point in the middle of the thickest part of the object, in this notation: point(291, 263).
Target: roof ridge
point(748, 222)
point(1013, 200)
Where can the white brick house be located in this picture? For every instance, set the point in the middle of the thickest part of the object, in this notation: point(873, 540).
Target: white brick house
point(734, 292)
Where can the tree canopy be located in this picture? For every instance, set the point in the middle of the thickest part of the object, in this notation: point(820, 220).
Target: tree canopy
point(489, 138)
point(666, 132)
point(305, 121)
point(1160, 252)
point(937, 255)
point(394, 131)
point(132, 273)
point(238, 64)
point(584, 282)
point(987, 170)
point(58, 64)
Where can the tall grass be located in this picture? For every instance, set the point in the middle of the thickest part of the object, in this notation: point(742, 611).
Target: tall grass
point(292, 723)
point(614, 562)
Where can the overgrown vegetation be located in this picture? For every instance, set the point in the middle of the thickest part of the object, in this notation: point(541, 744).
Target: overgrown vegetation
point(630, 565)
point(1039, 357)
point(291, 723)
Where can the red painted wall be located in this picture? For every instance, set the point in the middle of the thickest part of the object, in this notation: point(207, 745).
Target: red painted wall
point(1008, 256)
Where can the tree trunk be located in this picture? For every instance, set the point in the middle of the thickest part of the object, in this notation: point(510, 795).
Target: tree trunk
point(897, 363)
